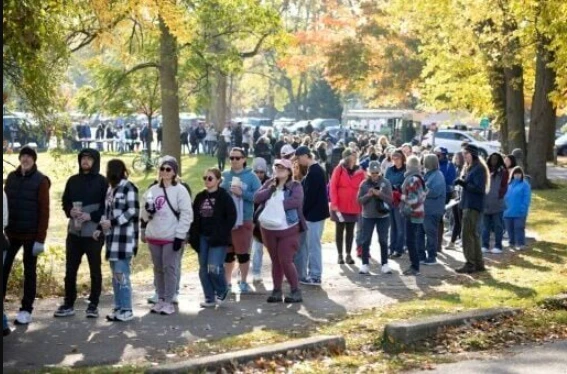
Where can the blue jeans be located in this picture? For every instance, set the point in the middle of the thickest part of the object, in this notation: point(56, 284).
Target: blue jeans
point(397, 231)
point(411, 239)
point(121, 284)
point(493, 222)
point(516, 228)
point(428, 239)
point(309, 259)
point(179, 268)
point(257, 257)
point(382, 227)
point(211, 270)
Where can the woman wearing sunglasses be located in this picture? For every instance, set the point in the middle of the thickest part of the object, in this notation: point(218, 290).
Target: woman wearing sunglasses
point(165, 223)
point(281, 233)
point(210, 236)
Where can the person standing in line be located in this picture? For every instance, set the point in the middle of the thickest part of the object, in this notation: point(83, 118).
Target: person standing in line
point(450, 175)
point(84, 204)
point(167, 217)
point(261, 170)
point(475, 183)
point(395, 175)
point(518, 200)
point(436, 190)
point(309, 259)
point(242, 184)
point(5, 246)
point(222, 153)
point(375, 196)
point(345, 209)
point(121, 232)
point(459, 162)
point(210, 236)
point(27, 190)
point(493, 219)
point(281, 234)
point(412, 206)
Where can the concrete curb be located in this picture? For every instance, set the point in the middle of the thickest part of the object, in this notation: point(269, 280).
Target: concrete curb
point(555, 302)
point(399, 335)
point(336, 344)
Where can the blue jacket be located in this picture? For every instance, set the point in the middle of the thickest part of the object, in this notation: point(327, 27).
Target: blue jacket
point(474, 188)
point(250, 184)
point(449, 172)
point(518, 199)
point(396, 177)
point(436, 193)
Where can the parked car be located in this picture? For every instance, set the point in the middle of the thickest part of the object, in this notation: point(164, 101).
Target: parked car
point(561, 144)
point(453, 139)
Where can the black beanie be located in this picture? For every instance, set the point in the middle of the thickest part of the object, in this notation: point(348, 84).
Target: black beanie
point(28, 151)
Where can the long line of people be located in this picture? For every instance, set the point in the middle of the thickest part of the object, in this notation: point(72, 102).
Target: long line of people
point(242, 210)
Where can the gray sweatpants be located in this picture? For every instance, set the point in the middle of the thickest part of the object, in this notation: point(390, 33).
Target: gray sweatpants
point(165, 261)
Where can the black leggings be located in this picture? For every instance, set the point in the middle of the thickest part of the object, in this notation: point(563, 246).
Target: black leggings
point(339, 236)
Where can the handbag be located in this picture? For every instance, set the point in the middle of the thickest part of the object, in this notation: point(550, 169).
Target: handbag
point(273, 216)
point(382, 207)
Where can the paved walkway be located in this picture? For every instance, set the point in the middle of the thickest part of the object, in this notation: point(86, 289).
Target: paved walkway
point(557, 173)
point(532, 359)
point(80, 342)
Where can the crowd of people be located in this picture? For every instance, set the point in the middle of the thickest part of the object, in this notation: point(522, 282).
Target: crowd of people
point(282, 202)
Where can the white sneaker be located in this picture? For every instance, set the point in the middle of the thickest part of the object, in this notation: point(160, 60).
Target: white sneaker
point(207, 305)
point(484, 249)
point(124, 316)
point(386, 269)
point(450, 246)
point(257, 278)
point(23, 318)
point(364, 270)
point(154, 299)
point(175, 299)
point(519, 248)
point(158, 307)
point(167, 309)
point(496, 251)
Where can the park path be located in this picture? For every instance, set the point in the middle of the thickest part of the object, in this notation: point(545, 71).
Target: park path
point(77, 341)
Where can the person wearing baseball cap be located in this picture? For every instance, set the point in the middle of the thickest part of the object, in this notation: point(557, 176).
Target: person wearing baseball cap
point(281, 234)
point(287, 152)
point(309, 259)
point(27, 192)
point(449, 171)
point(475, 184)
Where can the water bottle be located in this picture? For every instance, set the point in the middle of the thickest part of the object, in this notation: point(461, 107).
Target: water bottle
point(150, 204)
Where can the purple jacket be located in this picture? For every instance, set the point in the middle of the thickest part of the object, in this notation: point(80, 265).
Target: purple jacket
point(293, 201)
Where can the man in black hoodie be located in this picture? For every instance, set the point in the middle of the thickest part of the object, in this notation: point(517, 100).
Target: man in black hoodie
point(84, 204)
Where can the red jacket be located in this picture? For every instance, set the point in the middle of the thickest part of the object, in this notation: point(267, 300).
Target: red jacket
point(343, 190)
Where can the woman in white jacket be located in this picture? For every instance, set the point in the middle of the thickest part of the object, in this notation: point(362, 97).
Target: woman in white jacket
point(167, 217)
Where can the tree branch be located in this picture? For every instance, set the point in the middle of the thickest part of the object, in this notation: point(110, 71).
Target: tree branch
point(254, 52)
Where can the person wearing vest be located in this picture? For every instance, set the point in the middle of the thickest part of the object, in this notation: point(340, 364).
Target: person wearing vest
point(27, 190)
point(87, 188)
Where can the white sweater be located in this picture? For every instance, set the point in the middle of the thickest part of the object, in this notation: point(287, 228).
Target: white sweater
point(164, 225)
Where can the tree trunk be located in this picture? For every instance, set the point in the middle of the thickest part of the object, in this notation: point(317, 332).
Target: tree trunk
point(498, 84)
point(543, 116)
point(515, 109)
point(218, 100)
point(149, 139)
point(169, 93)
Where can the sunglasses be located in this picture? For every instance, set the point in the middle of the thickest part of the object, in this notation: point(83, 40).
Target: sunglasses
point(259, 172)
point(234, 158)
point(208, 178)
point(166, 169)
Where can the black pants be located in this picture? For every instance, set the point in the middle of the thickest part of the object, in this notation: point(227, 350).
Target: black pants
point(457, 225)
point(30, 271)
point(339, 236)
point(76, 248)
point(222, 163)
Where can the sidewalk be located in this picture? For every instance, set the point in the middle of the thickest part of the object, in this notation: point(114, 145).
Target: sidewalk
point(77, 341)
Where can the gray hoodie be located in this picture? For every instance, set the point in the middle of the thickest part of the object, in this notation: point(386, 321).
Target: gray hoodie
point(369, 203)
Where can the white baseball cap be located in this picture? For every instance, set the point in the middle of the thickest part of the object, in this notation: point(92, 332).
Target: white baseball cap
point(287, 150)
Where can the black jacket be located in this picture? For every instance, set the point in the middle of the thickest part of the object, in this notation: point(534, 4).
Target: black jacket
point(224, 214)
point(89, 189)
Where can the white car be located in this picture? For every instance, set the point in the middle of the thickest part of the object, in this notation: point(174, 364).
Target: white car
point(453, 139)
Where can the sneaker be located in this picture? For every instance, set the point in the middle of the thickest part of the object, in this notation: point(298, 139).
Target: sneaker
point(175, 299)
point(157, 308)
point(244, 288)
point(341, 260)
point(154, 299)
point(430, 262)
point(167, 309)
point(124, 316)
point(412, 272)
point(64, 311)
point(480, 269)
point(223, 299)
point(257, 278)
point(313, 282)
point(386, 269)
point(359, 252)
point(467, 269)
point(111, 317)
point(349, 260)
point(519, 248)
point(364, 270)
point(208, 304)
point(294, 297)
point(7, 331)
point(421, 262)
point(484, 249)
point(396, 255)
point(305, 281)
point(275, 297)
point(450, 246)
point(496, 251)
point(23, 318)
point(92, 311)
